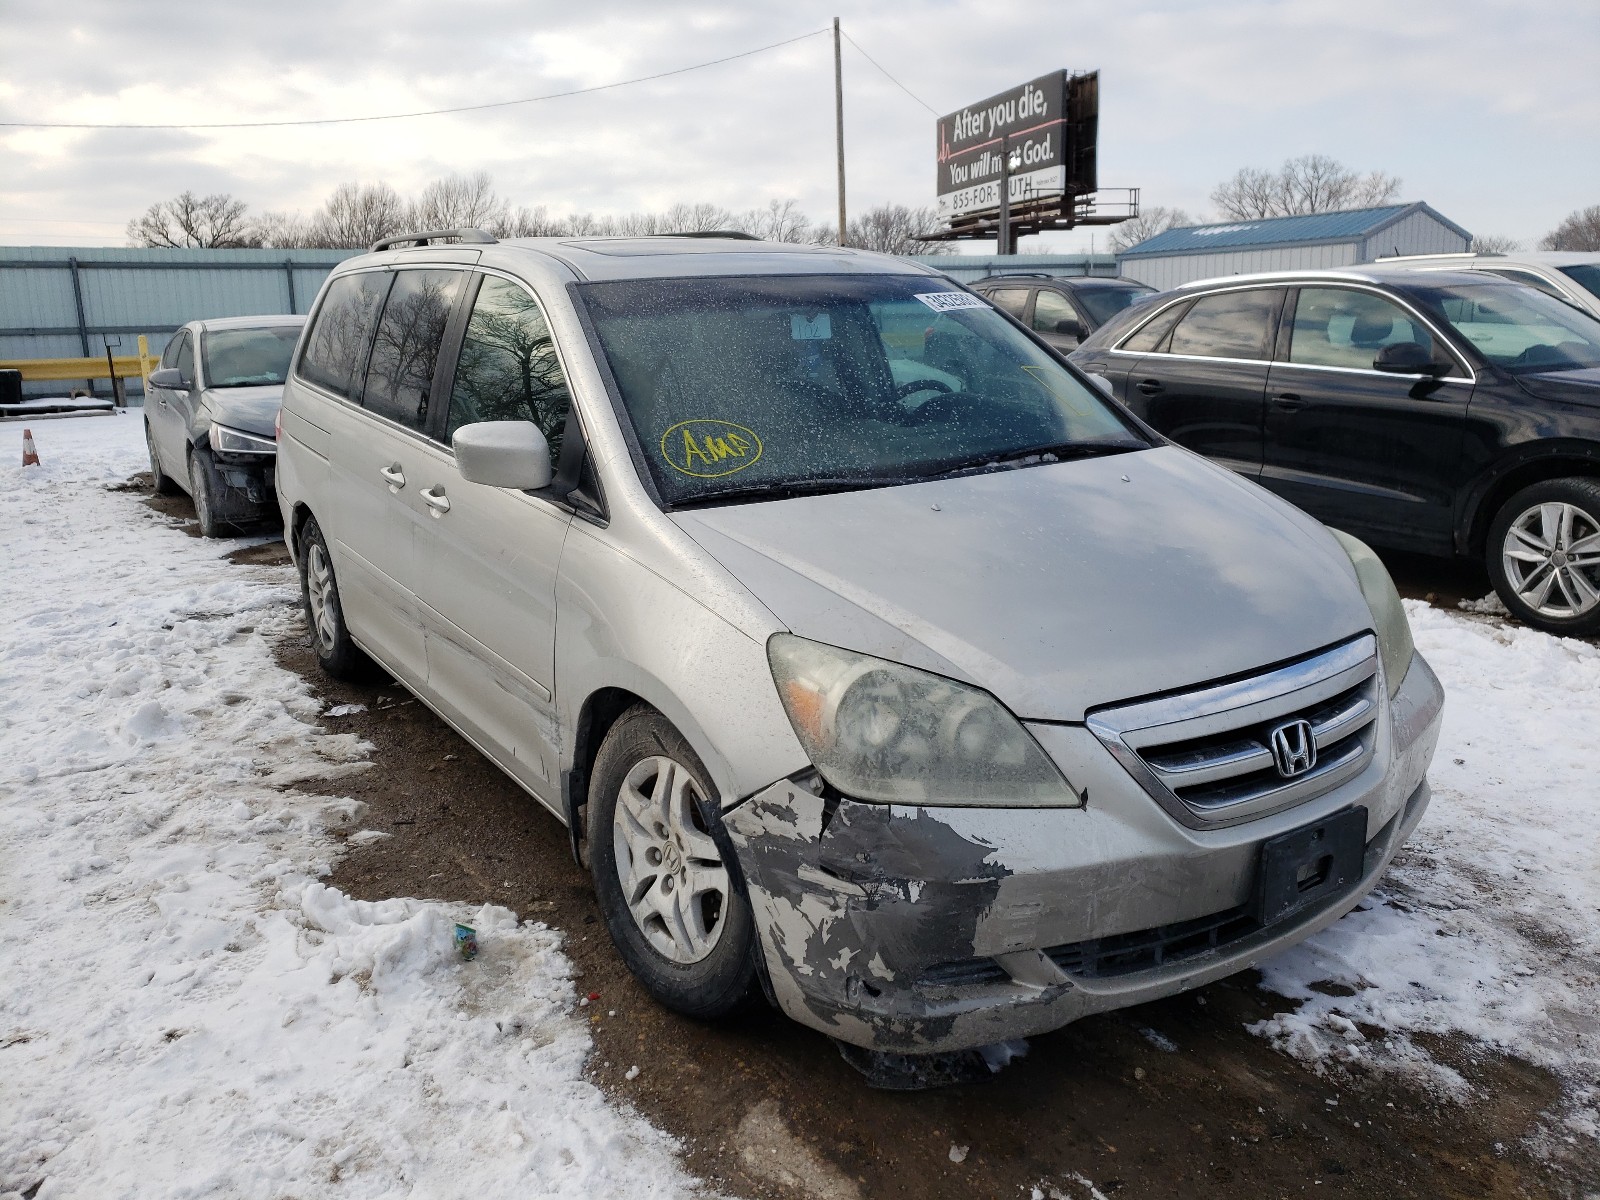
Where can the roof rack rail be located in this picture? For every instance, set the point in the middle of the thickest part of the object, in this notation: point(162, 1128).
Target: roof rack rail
point(737, 235)
point(476, 236)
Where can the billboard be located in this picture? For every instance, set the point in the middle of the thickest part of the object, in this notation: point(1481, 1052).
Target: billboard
point(1048, 125)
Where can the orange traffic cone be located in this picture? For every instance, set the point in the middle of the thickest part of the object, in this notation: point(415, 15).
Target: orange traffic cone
point(30, 456)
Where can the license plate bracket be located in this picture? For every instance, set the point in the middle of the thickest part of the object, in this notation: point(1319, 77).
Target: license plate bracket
point(1302, 868)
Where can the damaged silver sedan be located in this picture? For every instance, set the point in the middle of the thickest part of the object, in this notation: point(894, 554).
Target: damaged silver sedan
point(874, 659)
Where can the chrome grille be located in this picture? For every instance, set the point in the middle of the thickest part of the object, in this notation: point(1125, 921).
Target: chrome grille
point(1206, 756)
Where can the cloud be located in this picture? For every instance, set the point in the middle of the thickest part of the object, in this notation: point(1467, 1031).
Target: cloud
point(1477, 104)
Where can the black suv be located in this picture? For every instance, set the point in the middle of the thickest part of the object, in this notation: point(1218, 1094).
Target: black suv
point(1061, 311)
point(1441, 412)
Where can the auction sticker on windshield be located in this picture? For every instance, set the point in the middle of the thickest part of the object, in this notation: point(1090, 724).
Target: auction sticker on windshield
point(708, 448)
point(950, 301)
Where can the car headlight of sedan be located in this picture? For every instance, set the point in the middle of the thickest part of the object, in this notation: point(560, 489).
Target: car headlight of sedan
point(237, 441)
point(885, 732)
point(1395, 646)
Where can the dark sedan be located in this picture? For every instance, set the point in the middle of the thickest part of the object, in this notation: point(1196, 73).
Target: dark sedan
point(1444, 413)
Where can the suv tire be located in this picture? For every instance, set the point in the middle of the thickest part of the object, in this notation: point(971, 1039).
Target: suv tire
point(336, 653)
point(1543, 555)
point(671, 901)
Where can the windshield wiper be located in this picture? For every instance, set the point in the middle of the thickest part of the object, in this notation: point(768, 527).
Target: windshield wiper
point(1059, 452)
point(785, 489)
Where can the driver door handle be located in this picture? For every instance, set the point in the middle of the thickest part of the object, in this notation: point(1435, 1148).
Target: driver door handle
point(1289, 401)
point(394, 476)
point(435, 499)
point(1149, 386)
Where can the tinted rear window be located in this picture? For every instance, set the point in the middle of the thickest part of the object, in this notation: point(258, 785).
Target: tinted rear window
point(1227, 325)
point(341, 332)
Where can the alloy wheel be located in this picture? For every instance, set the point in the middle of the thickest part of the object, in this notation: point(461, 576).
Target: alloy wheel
point(1551, 557)
point(319, 595)
point(672, 875)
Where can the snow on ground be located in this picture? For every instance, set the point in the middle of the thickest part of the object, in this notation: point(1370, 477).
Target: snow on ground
point(184, 1009)
point(1488, 924)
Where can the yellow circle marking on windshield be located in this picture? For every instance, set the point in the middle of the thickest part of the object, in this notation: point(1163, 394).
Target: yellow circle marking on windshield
point(709, 449)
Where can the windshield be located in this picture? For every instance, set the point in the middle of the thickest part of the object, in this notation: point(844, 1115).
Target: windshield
point(1104, 303)
point(1586, 275)
point(248, 357)
point(756, 384)
point(1521, 330)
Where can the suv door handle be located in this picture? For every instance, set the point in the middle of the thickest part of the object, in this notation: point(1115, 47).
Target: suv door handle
point(435, 499)
point(1149, 386)
point(394, 476)
point(1290, 401)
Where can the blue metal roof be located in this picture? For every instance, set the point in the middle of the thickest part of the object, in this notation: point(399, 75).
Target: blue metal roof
point(1351, 225)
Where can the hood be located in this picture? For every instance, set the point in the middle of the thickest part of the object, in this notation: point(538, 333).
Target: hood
point(1576, 387)
point(252, 409)
point(1057, 588)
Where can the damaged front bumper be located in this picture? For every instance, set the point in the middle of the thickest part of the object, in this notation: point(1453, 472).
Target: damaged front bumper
point(927, 930)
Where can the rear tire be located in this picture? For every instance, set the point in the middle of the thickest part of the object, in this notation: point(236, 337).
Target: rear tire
point(1543, 555)
point(160, 481)
point(668, 897)
point(336, 653)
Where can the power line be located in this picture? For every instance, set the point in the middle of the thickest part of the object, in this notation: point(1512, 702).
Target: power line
point(433, 112)
point(888, 76)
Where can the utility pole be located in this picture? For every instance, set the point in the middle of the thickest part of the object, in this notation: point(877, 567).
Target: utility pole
point(1004, 243)
point(838, 119)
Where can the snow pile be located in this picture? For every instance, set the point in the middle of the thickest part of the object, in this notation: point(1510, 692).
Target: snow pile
point(184, 1009)
point(1488, 924)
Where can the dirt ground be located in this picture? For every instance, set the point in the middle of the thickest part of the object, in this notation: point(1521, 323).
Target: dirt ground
point(1173, 1099)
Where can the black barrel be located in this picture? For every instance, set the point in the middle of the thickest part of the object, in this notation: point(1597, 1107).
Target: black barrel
point(10, 387)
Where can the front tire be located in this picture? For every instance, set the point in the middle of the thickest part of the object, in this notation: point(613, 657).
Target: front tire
point(1544, 556)
point(665, 890)
point(336, 653)
point(203, 491)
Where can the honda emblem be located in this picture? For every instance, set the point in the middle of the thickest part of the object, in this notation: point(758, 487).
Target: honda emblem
point(1294, 748)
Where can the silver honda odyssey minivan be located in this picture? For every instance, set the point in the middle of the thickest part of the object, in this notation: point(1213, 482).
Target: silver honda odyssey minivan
point(872, 657)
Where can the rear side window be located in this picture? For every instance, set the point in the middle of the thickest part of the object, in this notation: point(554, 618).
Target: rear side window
point(336, 350)
point(1227, 325)
point(406, 348)
point(508, 369)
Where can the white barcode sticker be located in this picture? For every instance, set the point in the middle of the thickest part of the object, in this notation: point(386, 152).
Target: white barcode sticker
point(950, 301)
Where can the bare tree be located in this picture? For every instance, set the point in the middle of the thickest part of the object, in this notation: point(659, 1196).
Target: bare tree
point(891, 229)
point(782, 221)
point(695, 218)
point(1312, 183)
point(1146, 225)
point(189, 220)
point(283, 231)
point(358, 214)
point(1490, 243)
point(458, 202)
point(527, 222)
point(1580, 231)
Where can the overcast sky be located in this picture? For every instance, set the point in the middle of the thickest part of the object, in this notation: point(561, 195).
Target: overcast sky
point(1487, 109)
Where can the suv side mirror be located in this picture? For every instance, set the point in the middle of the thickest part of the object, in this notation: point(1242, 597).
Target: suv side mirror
point(170, 378)
point(1067, 327)
point(1408, 358)
point(503, 454)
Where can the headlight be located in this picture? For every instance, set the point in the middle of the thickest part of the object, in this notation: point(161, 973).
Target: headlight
point(237, 441)
point(881, 731)
point(1388, 615)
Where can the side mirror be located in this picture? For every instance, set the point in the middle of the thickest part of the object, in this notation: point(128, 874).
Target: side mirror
point(170, 378)
point(1104, 384)
point(1408, 358)
point(503, 454)
point(1067, 327)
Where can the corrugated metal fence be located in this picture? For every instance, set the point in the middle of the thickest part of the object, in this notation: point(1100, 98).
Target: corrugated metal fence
point(61, 302)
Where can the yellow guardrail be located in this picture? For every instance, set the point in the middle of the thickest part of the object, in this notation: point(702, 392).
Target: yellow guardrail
point(61, 369)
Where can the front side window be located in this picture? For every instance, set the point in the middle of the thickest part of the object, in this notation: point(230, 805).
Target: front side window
point(406, 347)
point(1521, 330)
point(508, 369)
point(248, 357)
point(1013, 300)
point(1339, 327)
point(335, 356)
point(763, 385)
point(1228, 325)
point(1051, 308)
point(169, 356)
point(184, 359)
point(1585, 275)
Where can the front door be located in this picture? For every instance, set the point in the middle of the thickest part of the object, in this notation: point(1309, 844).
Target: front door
point(488, 556)
point(1206, 387)
point(166, 409)
point(1375, 454)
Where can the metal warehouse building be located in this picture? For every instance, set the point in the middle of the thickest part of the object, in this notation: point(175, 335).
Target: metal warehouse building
point(63, 302)
point(1331, 239)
